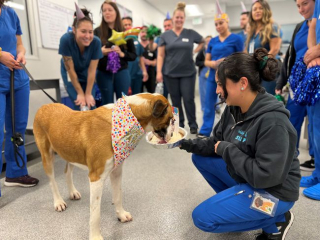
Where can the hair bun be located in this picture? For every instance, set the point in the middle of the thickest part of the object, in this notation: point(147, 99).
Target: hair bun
point(181, 5)
point(267, 65)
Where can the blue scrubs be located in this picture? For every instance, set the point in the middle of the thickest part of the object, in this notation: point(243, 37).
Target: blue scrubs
point(135, 70)
point(298, 112)
point(69, 47)
point(269, 86)
point(244, 36)
point(10, 27)
point(233, 43)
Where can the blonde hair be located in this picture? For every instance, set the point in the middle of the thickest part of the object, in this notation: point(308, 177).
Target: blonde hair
point(180, 7)
point(267, 22)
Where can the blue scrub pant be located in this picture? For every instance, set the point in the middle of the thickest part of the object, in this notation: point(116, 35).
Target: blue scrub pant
point(203, 87)
point(209, 109)
point(297, 114)
point(229, 210)
point(21, 121)
point(184, 88)
point(136, 84)
point(109, 83)
point(314, 132)
point(71, 90)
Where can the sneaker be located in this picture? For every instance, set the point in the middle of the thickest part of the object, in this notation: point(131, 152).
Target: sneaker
point(24, 181)
point(283, 228)
point(193, 130)
point(199, 135)
point(313, 192)
point(308, 181)
point(308, 165)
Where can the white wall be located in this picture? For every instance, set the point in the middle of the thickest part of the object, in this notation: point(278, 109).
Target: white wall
point(142, 12)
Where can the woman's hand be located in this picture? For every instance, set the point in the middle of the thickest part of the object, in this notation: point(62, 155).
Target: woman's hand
point(145, 76)
point(8, 60)
point(81, 100)
point(314, 62)
point(90, 100)
point(278, 91)
point(117, 49)
point(105, 51)
point(159, 77)
point(216, 146)
point(311, 54)
point(21, 59)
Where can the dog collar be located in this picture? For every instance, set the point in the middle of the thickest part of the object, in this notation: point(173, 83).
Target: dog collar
point(126, 131)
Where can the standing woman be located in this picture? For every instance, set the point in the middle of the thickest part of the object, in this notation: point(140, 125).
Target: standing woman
point(80, 51)
point(250, 161)
point(296, 51)
point(264, 32)
point(107, 81)
point(175, 56)
point(12, 52)
point(219, 47)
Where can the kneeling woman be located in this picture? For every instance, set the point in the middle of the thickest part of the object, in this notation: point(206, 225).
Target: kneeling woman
point(250, 160)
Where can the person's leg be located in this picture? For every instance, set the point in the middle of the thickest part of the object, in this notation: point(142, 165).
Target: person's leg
point(202, 87)
point(209, 110)
point(69, 88)
point(2, 116)
point(136, 84)
point(173, 86)
point(297, 114)
point(187, 88)
point(229, 211)
point(121, 82)
point(214, 170)
point(151, 83)
point(21, 121)
point(105, 84)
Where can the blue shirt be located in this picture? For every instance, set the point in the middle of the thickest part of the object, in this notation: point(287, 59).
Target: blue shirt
point(69, 47)
point(10, 27)
point(300, 41)
point(276, 33)
point(244, 36)
point(316, 14)
point(134, 66)
point(233, 43)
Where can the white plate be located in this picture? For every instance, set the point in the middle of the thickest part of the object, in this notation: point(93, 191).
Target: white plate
point(166, 145)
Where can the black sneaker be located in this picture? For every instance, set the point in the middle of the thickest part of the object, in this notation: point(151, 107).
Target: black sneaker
point(283, 228)
point(308, 165)
point(199, 135)
point(193, 130)
point(23, 181)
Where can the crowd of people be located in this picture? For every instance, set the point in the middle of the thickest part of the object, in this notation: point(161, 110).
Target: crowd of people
point(249, 157)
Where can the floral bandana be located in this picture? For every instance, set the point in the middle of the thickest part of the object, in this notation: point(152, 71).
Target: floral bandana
point(126, 131)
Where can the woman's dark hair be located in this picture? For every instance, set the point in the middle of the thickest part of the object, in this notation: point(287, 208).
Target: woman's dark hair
point(2, 2)
point(87, 17)
point(254, 67)
point(104, 28)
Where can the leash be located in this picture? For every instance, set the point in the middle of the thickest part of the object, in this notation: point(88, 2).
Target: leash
point(34, 81)
point(16, 138)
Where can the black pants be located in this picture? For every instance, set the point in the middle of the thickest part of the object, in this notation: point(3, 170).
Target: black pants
point(151, 83)
point(183, 88)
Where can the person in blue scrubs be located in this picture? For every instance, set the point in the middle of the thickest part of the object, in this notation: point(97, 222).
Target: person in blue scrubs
point(312, 58)
point(219, 47)
point(263, 34)
point(137, 69)
point(80, 51)
point(296, 51)
point(109, 82)
point(12, 52)
point(250, 160)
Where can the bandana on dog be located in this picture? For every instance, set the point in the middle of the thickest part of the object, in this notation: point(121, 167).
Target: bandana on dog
point(126, 131)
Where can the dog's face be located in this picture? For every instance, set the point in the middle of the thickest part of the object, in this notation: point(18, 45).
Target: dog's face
point(162, 119)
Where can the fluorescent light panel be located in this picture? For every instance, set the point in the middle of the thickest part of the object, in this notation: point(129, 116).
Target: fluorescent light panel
point(193, 10)
point(15, 5)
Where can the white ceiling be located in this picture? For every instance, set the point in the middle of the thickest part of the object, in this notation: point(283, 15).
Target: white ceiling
point(206, 6)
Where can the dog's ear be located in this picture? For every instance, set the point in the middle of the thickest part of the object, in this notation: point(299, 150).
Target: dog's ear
point(159, 109)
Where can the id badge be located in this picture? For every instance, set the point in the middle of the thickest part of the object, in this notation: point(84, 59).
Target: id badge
point(185, 39)
point(251, 47)
point(150, 54)
point(265, 203)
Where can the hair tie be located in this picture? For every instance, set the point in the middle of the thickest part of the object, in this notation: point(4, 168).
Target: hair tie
point(263, 62)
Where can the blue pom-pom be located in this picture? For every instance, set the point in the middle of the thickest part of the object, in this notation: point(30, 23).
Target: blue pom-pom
point(297, 74)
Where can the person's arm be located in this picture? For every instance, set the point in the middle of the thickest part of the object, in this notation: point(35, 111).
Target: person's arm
point(211, 63)
point(314, 48)
point(130, 53)
point(21, 51)
point(198, 48)
point(271, 162)
point(90, 102)
point(143, 69)
point(160, 60)
point(275, 45)
point(312, 40)
point(69, 65)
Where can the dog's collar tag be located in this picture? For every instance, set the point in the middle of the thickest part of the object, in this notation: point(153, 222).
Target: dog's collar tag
point(126, 131)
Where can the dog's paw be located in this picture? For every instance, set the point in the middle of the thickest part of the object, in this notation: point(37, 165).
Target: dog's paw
point(124, 217)
point(75, 195)
point(60, 206)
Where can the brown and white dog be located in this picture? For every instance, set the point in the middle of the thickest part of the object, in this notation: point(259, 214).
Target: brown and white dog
point(83, 139)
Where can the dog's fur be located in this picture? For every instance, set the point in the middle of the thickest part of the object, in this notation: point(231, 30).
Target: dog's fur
point(83, 139)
